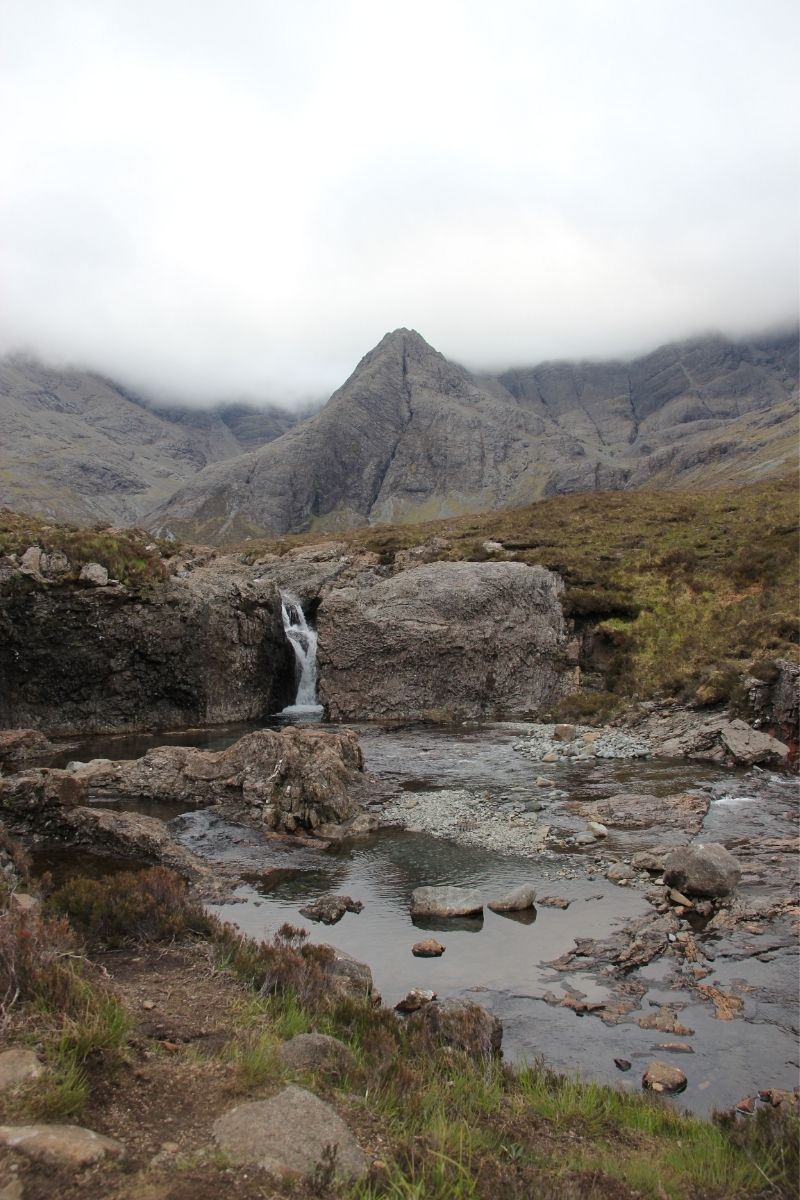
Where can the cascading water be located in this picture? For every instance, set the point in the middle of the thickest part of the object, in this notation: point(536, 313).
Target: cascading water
point(304, 643)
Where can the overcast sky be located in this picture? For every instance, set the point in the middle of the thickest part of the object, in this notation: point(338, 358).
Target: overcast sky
point(226, 197)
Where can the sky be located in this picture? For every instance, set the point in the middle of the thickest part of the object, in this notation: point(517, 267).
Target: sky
point(238, 198)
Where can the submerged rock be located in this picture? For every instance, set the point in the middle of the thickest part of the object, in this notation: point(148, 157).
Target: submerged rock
point(702, 870)
point(292, 1134)
point(445, 902)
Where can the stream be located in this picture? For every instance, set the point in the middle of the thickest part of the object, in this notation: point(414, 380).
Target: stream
point(502, 961)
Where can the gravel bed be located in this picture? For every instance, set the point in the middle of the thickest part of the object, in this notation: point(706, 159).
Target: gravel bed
point(473, 820)
point(580, 743)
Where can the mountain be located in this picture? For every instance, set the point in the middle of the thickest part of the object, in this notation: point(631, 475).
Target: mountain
point(76, 446)
point(411, 436)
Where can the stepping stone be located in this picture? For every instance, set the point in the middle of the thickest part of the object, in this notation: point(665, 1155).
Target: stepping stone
point(60, 1145)
point(445, 902)
point(663, 1077)
point(517, 900)
point(430, 948)
point(289, 1135)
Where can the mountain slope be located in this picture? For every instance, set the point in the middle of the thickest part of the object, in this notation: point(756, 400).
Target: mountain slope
point(76, 446)
point(411, 436)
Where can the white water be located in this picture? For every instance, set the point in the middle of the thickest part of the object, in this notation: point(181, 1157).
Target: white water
point(304, 644)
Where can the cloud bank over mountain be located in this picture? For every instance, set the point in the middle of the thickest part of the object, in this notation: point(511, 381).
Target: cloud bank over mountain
point(234, 200)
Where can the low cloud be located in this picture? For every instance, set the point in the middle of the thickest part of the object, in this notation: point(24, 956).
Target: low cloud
point(214, 201)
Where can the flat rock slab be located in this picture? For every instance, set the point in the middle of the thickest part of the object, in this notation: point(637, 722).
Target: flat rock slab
point(445, 902)
point(290, 1135)
point(515, 901)
point(18, 1066)
point(315, 1052)
point(60, 1145)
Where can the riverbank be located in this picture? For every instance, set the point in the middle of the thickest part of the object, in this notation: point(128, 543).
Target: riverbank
point(184, 1023)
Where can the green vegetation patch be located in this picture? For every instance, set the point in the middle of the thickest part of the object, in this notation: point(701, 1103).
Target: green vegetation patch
point(129, 555)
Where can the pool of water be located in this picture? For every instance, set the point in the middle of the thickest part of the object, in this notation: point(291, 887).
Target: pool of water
point(503, 962)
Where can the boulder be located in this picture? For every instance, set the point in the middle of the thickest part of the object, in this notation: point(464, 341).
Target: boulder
point(292, 1135)
point(663, 1077)
point(316, 1052)
point(746, 746)
point(462, 1024)
point(445, 902)
point(702, 870)
point(445, 637)
point(348, 976)
point(18, 1066)
point(430, 948)
point(94, 574)
point(516, 900)
point(60, 1145)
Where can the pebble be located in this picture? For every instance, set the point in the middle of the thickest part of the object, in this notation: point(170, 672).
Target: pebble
point(547, 743)
point(430, 948)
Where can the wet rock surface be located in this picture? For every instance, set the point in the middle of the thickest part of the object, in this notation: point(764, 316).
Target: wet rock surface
point(330, 909)
point(206, 646)
point(703, 870)
point(445, 902)
point(472, 638)
point(295, 779)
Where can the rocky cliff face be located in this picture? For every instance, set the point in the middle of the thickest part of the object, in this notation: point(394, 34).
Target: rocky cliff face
point(411, 436)
point(79, 447)
point(465, 639)
point(205, 648)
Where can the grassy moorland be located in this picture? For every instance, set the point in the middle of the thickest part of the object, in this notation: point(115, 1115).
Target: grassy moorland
point(437, 1123)
point(129, 555)
point(685, 589)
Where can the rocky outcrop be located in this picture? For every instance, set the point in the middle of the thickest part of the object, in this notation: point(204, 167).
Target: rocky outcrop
point(52, 804)
point(675, 732)
point(206, 647)
point(702, 870)
point(467, 639)
point(291, 780)
point(773, 693)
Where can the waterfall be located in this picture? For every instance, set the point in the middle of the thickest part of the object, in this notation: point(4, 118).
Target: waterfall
point(304, 643)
